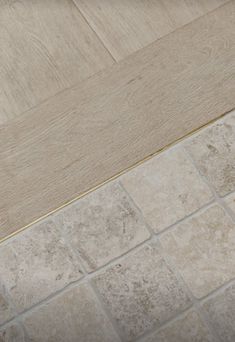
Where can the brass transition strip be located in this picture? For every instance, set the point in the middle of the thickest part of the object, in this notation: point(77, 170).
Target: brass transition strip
point(116, 175)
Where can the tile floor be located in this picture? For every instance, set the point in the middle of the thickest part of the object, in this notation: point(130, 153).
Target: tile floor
point(148, 257)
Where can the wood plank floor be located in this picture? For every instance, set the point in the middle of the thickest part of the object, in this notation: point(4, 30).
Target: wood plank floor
point(126, 26)
point(46, 46)
point(86, 134)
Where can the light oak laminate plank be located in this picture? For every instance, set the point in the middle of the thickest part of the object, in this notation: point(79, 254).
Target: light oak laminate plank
point(126, 26)
point(85, 135)
point(46, 46)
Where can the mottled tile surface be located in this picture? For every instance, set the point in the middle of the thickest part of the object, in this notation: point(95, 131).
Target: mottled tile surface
point(103, 225)
point(141, 291)
point(74, 316)
point(213, 150)
point(36, 265)
point(203, 250)
point(221, 313)
point(166, 188)
point(12, 333)
point(230, 201)
point(189, 328)
point(5, 308)
point(142, 282)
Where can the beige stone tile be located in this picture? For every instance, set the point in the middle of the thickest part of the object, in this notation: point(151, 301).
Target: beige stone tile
point(221, 313)
point(189, 328)
point(230, 201)
point(36, 264)
point(13, 333)
point(213, 150)
point(103, 225)
point(141, 291)
point(166, 188)
point(5, 307)
point(74, 316)
point(203, 249)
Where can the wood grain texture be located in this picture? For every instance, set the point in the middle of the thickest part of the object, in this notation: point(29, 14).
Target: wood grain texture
point(46, 46)
point(126, 26)
point(85, 135)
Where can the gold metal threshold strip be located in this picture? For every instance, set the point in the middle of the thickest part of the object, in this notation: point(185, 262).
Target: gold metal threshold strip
point(115, 176)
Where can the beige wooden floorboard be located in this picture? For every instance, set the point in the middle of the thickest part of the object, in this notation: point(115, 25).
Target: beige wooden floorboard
point(85, 135)
point(46, 46)
point(126, 26)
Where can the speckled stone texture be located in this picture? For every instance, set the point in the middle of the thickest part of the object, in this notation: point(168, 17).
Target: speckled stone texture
point(230, 201)
point(166, 188)
point(203, 250)
point(213, 151)
point(141, 292)
point(36, 265)
point(73, 317)
point(189, 328)
point(12, 333)
point(103, 225)
point(148, 257)
point(221, 312)
point(6, 312)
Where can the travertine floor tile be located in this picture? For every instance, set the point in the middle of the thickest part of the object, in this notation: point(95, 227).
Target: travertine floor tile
point(36, 264)
point(166, 188)
point(141, 291)
point(221, 312)
point(214, 153)
point(190, 328)
point(13, 333)
point(73, 317)
point(5, 309)
point(103, 225)
point(230, 201)
point(203, 250)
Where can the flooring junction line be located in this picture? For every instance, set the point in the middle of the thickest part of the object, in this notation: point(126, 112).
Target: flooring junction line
point(188, 77)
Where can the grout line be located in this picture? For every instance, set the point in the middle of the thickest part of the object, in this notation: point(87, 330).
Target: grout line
point(226, 207)
point(207, 322)
point(95, 292)
point(186, 218)
point(26, 336)
point(230, 213)
point(217, 291)
point(88, 277)
point(196, 306)
point(195, 302)
point(122, 172)
point(219, 200)
point(149, 228)
point(94, 31)
point(27, 312)
point(165, 324)
point(6, 292)
point(107, 311)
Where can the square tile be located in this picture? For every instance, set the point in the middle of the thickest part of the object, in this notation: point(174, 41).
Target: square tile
point(103, 225)
point(6, 312)
point(189, 328)
point(36, 264)
point(203, 250)
point(13, 333)
point(213, 150)
point(141, 291)
point(166, 188)
point(73, 316)
point(221, 313)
